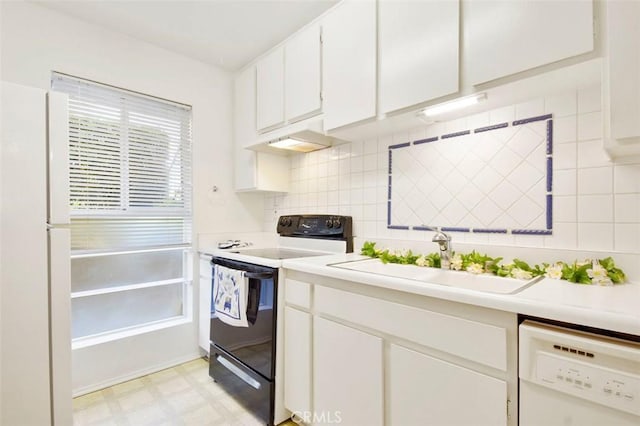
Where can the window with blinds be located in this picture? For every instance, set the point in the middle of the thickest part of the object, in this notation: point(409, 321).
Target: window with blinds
point(130, 167)
point(130, 198)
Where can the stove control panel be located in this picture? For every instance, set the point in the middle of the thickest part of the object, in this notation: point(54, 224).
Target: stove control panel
point(316, 226)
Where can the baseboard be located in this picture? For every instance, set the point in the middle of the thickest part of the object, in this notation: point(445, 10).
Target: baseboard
point(136, 374)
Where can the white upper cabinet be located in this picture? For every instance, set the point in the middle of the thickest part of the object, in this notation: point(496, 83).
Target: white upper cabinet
point(253, 171)
point(349, 63)
point(244, 107)
point(505, 37)
point(270, 90)
point(302, 74)
point(419, 46)
point(621, 79)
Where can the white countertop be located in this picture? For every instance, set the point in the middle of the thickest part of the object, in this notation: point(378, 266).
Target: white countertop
point(615, 308)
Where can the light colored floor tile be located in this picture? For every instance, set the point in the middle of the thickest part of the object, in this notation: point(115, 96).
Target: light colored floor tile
point(231, 404)
point(249, 420)
point(203, 416)
point(172, 386)
point(93, 414)
point(163, 375)
point(181, 396)
point(196, 364)
point(127, 386)
point(87, 400)
point(135, 400)
point(151, 415)
point(186, 401)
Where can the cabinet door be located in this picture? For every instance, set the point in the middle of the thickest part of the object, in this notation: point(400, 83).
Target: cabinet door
point(244, 107)
point(423, 390)
point(347, 375)
point(204, 317)
point(270, 90)
point(297, 359)
point(302, 74)
point(621, 79)
point(418, 52)
point(506, 37)
point(253, 171)
point(244, 127)
point(349, 63)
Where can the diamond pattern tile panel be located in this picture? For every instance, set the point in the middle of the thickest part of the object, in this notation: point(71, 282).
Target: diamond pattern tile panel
point(490, 180)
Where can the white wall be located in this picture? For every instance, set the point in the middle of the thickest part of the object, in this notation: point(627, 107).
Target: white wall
point(36, 41)
point(596, 201)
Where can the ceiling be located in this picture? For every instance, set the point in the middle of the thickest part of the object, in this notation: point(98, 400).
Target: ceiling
point(224, 33)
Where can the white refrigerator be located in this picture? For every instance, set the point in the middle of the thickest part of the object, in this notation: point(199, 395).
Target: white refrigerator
point(35, 338)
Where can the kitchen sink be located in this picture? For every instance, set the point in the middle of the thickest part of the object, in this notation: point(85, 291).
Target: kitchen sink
point(486, 283)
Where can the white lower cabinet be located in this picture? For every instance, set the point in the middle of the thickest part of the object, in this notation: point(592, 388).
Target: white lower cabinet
point(297, 359)
point(424, 390)
point(361, 355)
point(347, 375)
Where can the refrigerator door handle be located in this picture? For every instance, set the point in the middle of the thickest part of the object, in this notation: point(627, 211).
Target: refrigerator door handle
point(58, 157)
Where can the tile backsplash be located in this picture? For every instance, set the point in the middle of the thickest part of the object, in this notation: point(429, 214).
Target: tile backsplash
point(596, 202)
point(490, 179)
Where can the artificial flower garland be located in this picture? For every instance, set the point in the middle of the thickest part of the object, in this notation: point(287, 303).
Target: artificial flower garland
point(597, 271)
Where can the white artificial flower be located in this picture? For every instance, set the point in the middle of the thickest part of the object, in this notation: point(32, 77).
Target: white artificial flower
point(475, 268)
point(554, 271)
point(521, 274)
point(422, 261)
point(598, 275)
point(597, 272)
point(456, 262)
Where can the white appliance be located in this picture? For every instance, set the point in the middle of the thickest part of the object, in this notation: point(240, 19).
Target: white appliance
point(34, 259)
point(570, 377)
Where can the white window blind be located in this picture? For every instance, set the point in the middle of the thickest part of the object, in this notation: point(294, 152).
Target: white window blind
point(130, 167)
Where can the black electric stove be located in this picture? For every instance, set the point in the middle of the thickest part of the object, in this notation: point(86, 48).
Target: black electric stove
point(243, 359)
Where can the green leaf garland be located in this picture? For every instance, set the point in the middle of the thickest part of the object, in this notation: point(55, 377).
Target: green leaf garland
point(598, 271)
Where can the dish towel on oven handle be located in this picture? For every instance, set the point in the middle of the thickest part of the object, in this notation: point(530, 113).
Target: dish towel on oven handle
point(230, 296)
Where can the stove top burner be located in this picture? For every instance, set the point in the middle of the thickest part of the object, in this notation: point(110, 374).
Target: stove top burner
point(278, 253)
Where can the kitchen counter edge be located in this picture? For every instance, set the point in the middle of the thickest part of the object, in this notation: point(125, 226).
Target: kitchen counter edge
point(615, 308)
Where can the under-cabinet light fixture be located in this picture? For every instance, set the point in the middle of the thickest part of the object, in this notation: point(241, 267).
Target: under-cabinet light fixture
point(296, 145)
point(454, 105)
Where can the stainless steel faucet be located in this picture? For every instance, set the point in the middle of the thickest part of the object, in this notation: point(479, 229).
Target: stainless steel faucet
point(444, 241)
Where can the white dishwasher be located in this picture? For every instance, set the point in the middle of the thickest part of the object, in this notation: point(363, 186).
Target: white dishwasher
point(570, 377)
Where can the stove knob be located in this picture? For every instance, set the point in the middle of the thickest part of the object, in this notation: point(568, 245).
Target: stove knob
point(336, 223)
point(288, 221)
point(329, 223)
point(283, 221)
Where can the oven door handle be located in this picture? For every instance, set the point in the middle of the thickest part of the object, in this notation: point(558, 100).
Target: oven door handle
point(259, 275)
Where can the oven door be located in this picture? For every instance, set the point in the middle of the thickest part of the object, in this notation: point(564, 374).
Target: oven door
point(254, 346)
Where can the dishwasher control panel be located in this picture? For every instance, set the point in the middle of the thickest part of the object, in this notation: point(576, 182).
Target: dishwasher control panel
point(595, 383)
point(588, 366)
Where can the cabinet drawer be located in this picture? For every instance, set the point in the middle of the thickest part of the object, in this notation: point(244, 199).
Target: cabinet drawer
point(482, 343)
point(298, 293)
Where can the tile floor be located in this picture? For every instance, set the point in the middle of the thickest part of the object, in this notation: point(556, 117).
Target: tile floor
point(182, 395)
